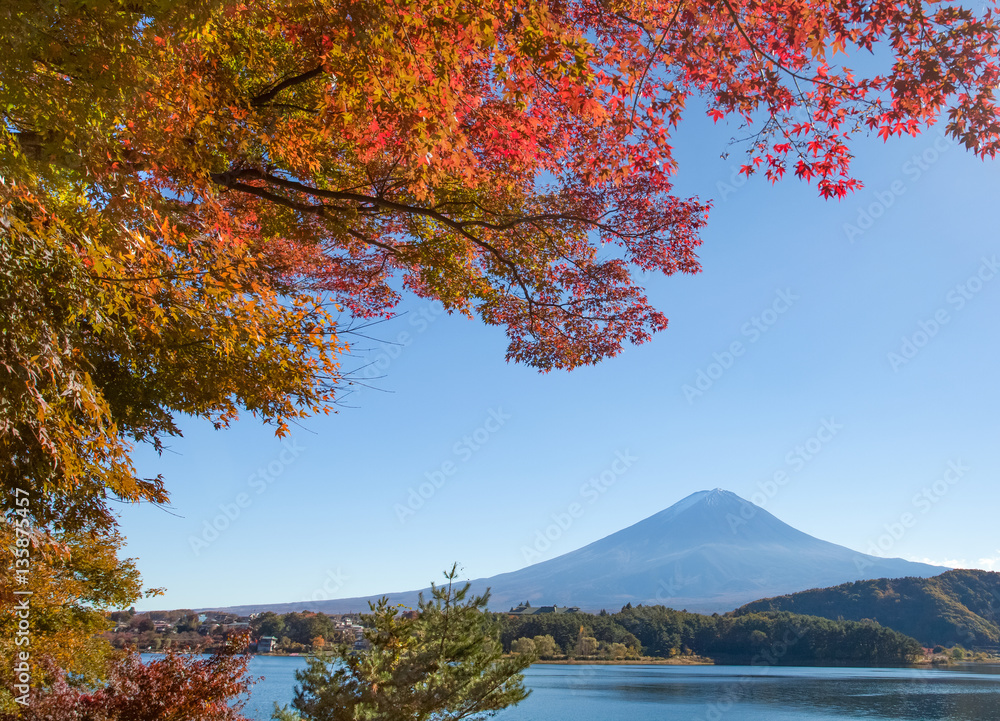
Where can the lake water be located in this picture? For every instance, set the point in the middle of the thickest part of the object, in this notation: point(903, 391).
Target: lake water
point(716, 693)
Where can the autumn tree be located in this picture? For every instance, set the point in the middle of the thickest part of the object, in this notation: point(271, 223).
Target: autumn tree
point(189, 187)
point(585, 645)
point(445, 661)
point(70, 582)
point(617, 651)
point(523, 647)
point(175, 687)
point(546, 646)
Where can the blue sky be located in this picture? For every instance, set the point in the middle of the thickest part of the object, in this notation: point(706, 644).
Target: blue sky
point(859, 404)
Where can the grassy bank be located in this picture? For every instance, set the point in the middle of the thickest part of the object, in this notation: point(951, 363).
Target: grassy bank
point(644, 661)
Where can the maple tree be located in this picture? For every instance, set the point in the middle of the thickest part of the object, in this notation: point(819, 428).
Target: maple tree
point(189, 187)
point(67, 581)
point(175, 687)
point(103, 339)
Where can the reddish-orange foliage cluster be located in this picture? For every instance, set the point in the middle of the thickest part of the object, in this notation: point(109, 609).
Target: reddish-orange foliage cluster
point(172, 688)
point(484, 152)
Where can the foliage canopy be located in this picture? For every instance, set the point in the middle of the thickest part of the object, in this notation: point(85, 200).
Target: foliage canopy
point(175, 687)
point(188, 188)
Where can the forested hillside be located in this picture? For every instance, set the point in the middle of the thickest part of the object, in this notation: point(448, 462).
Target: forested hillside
point(772, 638)
point(959, 607)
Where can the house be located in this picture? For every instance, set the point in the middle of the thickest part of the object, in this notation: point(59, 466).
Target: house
point(267, 644)
point(528, 610)
point(348, 627)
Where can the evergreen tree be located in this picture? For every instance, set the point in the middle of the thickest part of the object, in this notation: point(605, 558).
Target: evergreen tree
point(444, 663)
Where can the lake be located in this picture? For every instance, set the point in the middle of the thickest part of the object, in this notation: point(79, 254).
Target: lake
point(716, 693)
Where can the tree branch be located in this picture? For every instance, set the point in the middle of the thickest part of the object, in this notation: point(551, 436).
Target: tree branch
point(268, 95)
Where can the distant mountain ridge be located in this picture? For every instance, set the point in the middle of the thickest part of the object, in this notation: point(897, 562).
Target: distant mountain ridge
point(960, 607)
point(710, 552)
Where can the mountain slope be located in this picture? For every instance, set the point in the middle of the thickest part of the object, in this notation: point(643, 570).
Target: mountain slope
point(958, 607)
point(711, 551)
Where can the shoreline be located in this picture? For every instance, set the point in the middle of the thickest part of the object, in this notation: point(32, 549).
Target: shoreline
point(675, 661)
point(646, 661)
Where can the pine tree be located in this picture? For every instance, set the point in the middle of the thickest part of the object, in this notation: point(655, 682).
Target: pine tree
point(445, 662)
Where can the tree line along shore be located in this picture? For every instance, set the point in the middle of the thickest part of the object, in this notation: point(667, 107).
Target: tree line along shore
point(641, 634)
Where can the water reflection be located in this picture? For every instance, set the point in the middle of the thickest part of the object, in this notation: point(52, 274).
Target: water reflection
point(716, 693)
point(721, 693)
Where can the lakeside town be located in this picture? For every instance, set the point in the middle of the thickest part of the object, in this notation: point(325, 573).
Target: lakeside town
point(291, 633)
point(187, 630)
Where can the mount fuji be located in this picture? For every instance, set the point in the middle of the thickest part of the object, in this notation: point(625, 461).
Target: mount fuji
point(710, 552)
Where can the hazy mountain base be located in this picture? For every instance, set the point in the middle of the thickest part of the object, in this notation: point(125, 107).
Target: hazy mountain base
point(959, 607)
